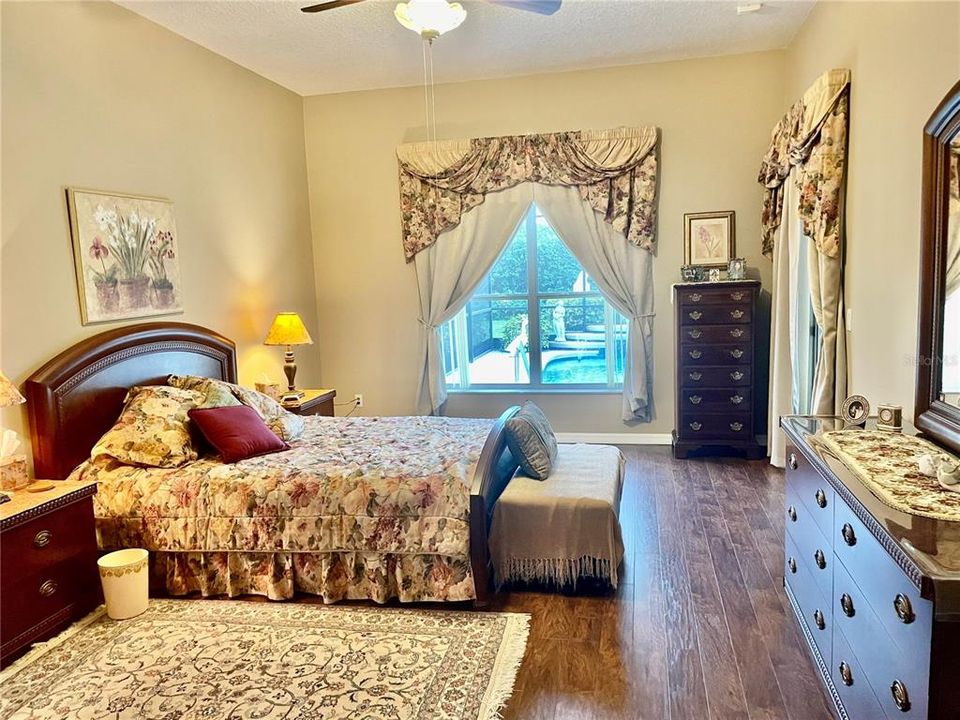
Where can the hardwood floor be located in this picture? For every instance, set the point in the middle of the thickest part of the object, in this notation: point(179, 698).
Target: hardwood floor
point(699, 627)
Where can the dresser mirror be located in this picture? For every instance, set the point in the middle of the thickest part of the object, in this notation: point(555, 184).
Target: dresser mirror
point(938, 361)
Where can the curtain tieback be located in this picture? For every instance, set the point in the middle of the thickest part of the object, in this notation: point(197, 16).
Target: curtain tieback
point(427, 325)
point(643, 315)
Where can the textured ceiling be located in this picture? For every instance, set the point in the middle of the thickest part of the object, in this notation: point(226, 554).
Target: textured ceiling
point(361, 47)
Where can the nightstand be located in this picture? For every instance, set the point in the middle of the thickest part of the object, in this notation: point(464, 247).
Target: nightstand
point(48, 564)
point(318, 401)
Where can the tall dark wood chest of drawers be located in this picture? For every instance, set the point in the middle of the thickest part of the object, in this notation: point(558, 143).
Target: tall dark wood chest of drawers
point(716, 362)
point(876, 591)
point(48, 564)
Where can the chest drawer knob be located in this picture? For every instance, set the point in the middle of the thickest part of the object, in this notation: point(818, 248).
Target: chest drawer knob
point(48, 588)
point(736, 399)
point(846, 604)
point(793, 461)
point(696, 334)
point(901, 603)
point(736, 426)
point(846, 675)
point(736, 314)
point(696, 354)
point(695, 315)
point(901, 698)
point(695, 399)
point(792, 564)
point(849, 536)
point(736, 296)
point(818, 619)
point(792, 513)
point(696, 297)
point(821, 498)
point(820, 559)
point(695, 376)
point(42, 539)
point(736, 332)
point(736, 353)
point(695, 426)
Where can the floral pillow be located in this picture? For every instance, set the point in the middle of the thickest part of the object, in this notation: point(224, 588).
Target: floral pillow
point(153, 428)
point(285, 425)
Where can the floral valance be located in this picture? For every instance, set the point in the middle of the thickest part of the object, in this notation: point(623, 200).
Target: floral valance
point(811, 137)
point(614, 170)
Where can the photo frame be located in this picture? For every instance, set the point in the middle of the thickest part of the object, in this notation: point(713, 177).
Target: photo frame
point(737, 269)
point(126, 255)
point(709, 238)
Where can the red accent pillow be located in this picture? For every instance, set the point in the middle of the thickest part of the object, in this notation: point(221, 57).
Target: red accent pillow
point(236, 432)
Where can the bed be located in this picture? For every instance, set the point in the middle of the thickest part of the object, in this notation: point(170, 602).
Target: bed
point(360, 508)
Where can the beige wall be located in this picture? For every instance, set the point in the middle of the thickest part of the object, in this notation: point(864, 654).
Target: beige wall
point(904, 57)
point(715, 115)
point(95, 96)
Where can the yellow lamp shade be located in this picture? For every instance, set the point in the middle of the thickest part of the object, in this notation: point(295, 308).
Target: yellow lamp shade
point(288, 329)
point(9, 395)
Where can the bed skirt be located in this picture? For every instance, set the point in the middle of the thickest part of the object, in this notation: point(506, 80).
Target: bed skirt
point(333, 576)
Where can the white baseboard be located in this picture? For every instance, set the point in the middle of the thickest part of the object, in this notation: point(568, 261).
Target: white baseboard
point(616, 438)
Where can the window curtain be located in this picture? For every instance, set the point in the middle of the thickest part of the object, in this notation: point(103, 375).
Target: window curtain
point(623, 275)
point(953, 222)
point(449, 271)
point(804, 172)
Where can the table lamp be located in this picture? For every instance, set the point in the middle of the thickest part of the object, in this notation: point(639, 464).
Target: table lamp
point(288, 330)
point(13, 468)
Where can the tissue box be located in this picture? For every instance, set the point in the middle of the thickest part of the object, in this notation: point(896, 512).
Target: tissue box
point(13, 473)
point(269, 389)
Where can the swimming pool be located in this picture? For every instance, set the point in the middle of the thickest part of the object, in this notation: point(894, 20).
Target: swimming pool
point(589, 370)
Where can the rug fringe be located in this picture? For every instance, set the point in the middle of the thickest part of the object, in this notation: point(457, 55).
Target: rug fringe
point(558, 571)
point(42, 648)
point(509, 658)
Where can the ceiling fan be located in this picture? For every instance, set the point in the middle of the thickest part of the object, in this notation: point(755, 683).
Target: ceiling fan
point(541, 7)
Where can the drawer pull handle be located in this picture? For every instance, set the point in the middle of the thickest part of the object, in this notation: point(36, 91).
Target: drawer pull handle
point(695, 315)
point(901, 603)
point(695, 399)
point(849, 536)
point(695, 376)
point(821, 498)
point(846, 676)
point(819, 620)
point(736, 399)
point(900, 696)
point(792, 513)
point(736, 314)
point(793, 461)
point(48, 588)
point(737, 332)
point(792, 564)
point(695, 426)
point(736, 426)
point(42, 539)
point(737, 353)
point(846, 604)
point(696, 354)
point(736, 375)
point(695, 334)
point(820, 559)
point(736, 296)
point(696, 297)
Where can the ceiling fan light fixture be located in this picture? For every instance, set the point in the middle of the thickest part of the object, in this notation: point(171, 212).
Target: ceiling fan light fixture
point(430, 18)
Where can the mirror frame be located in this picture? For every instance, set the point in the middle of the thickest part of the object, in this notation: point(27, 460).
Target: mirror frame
point(932, 415)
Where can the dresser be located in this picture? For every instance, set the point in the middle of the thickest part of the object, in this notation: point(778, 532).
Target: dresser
point(716, 361)
point(48, 564)
point(876, 591)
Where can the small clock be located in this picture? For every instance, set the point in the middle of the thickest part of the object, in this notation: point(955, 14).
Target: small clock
point(890, 418)
point(855, 410)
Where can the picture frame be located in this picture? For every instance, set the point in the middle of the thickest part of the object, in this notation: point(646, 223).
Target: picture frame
point(709, 238)
point(737, 269)
point(126, 255)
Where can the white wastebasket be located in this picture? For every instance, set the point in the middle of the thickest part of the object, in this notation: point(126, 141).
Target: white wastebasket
point(124, 576)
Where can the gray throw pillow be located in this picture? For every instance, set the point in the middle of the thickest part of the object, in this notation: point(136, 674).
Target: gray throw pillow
point(532, 442)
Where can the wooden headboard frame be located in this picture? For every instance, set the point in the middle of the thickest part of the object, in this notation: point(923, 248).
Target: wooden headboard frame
point(78, 395)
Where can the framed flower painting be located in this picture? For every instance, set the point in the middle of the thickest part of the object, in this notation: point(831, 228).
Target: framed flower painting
point(126, 256)
point(709, 238)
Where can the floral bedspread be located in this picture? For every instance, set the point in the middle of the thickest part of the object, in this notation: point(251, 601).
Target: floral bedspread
point(396, 486)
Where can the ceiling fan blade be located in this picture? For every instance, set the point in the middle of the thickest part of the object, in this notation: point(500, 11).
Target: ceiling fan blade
point(329, 5)
point(541, 7)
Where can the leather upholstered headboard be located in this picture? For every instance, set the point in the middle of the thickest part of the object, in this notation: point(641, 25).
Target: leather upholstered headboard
point(77, 396)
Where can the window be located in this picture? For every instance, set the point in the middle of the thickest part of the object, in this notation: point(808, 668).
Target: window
point(536, 289)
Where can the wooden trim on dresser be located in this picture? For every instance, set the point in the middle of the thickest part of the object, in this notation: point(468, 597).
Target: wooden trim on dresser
point(47, 507)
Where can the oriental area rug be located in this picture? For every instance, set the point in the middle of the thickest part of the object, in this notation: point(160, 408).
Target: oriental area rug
point(216, 660)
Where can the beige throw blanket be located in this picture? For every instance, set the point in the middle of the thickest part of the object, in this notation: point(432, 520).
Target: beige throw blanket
point(565, 527)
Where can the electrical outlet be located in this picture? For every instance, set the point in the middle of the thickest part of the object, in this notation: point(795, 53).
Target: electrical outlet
point(358, 399)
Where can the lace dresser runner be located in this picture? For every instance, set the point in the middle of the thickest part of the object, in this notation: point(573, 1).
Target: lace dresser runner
point(888, 464)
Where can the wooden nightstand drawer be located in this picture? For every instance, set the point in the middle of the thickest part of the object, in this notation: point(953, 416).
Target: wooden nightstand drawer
point(314, 402)
point(716, 314)
point(49, 539)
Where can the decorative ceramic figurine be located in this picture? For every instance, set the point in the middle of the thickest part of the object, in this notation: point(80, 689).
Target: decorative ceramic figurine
point(948, 474)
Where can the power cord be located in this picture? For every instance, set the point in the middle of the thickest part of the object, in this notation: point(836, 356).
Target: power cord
point(354, 402)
